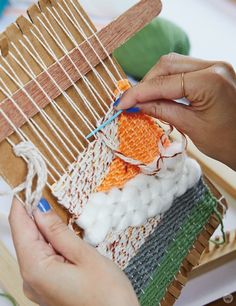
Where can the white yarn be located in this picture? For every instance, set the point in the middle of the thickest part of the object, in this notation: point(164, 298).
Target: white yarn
point(37, 169)
point(74, 188)
point(143, 197)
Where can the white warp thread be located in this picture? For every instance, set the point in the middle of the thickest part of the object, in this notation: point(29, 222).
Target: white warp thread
point(37, 170)
point(143, 197)
point(86, 173)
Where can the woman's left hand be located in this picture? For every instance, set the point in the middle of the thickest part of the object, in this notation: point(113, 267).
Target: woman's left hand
point(59, 268)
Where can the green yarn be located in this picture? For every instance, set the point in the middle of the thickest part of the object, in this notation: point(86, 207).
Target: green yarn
point(141, 52)
point(177, 251)
point(9, 298)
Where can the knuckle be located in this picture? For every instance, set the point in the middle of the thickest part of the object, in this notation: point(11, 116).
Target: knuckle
point(158, 82)
point(138, 97)
point(56, 227)
point(226, 67)
point(168, 59)
point(223, 70)
point(27, 291)
point(30, 276)
point(154, 111)
point(159, 111)
point(136, 93)
point(215, 77)
point(30, 294)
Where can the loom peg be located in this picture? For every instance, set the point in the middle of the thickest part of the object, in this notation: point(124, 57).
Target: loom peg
point(175, 289)
point(170, 298)
point(199, 247)
point(203, 240)
point(24, 24)
point(207, 250)
point(209, 228)
point(193, 257)
point(217, 240)
point(43, 4)
point(4, 46)
point(227, 237)
point(182, 276)
point(214, 221)
point(33, 12)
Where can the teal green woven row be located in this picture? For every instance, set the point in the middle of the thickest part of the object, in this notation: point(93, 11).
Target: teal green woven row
point(177, 251)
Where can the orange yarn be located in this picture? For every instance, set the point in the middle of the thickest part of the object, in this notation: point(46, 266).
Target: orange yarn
point(119, 173)
point(139, 136)
point(123, 85)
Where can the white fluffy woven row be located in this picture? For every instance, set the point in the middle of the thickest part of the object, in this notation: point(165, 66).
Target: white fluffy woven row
point(143, 197)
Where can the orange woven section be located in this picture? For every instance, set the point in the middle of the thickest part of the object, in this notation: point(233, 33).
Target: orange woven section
point(123, 85)
point(139, 136)
point(119, 173)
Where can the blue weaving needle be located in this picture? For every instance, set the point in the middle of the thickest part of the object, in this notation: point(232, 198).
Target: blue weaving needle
point(104, 124)
point(131, 110)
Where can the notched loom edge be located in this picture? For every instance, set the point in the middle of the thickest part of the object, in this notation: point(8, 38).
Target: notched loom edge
point(147, 9)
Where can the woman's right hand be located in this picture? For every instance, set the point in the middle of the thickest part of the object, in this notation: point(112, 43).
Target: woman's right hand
point(210, 119)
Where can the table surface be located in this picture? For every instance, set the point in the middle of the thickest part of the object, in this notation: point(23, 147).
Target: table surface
point(211, 28)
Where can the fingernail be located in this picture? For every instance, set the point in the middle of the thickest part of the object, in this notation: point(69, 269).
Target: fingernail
point(44, 206)
point(133, 110)
point(116, 103)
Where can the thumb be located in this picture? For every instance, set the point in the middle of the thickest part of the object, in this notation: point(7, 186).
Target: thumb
point(57, 233)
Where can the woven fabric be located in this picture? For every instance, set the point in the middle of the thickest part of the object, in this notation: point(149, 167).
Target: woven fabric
point(149, 256)
point(154, 290)
point(138, 138)
point(138, 220)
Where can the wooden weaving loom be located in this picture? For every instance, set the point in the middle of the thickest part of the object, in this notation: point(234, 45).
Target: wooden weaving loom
point(57, 83)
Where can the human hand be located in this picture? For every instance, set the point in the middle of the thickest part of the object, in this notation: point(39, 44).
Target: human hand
point(210, 87)
point(59, 268)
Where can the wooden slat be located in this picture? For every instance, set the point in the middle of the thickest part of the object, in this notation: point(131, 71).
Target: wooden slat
point(112, 36)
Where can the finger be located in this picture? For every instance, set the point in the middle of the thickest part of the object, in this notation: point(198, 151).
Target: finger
point(57, 233)
point(172, 112)
point(171, 87)
point(175, 63)
point(28, 242)
point(164, 87)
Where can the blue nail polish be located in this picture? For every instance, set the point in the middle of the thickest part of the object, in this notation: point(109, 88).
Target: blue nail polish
point(133, 110)
point(44, 206)
point(117, 102)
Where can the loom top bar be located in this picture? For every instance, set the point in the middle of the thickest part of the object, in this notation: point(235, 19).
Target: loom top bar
point(112, 36)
